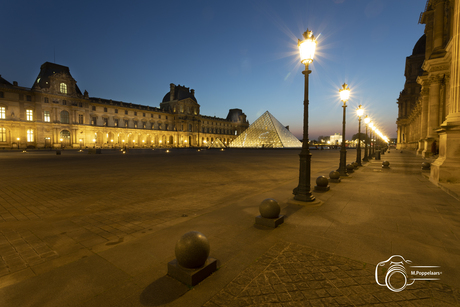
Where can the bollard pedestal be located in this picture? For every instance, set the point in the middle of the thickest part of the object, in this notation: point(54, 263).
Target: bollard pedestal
point(273, 222)
point(192, 277)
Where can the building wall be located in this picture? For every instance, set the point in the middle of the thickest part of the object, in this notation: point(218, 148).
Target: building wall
point(48, 118)
point(432, 124)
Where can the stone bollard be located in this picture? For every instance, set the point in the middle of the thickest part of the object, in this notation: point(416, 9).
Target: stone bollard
point(350, 168)
point(269, 214)
point(192, 264)
point(334, 176)
point(385, 164)
point(355, 165)
point(322, 184)
point(426, 166)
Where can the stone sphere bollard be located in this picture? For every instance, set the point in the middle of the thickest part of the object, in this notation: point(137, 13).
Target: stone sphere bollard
point(426, 165)
point(192, 250)
point(334, 176)
point(322, 181)
point(386, 164)
point(269, 208)
point(350, 168)
point(322, 184)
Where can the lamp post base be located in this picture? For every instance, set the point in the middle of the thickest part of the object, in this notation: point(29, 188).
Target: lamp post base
point(343, 164)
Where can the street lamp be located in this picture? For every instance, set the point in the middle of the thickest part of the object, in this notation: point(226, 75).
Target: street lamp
point(307, 51)
point(18, 139)
point(344, 95)
point(372, 133)
point(360, 112)
point(366, 158)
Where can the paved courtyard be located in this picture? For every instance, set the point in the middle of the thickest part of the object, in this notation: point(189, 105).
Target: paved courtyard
point(98, 230)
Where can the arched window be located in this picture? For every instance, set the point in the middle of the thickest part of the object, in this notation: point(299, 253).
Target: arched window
point(63, 88)
point(64, 117)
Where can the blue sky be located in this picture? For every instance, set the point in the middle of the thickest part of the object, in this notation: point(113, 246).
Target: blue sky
point(235, 54)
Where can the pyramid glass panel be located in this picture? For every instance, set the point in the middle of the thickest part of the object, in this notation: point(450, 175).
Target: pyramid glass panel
point(266, 132)
point(217, 143)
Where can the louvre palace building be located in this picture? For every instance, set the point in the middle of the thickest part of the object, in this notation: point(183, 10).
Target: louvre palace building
point(429, 105)
point(54, 113)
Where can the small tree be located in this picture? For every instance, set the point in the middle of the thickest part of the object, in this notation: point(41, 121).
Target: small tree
point(364, 137)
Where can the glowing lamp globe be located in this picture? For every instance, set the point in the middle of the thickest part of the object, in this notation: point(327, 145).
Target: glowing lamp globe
point(360, 111)
point(344, 92)
point(367, 120)
point(307, 47)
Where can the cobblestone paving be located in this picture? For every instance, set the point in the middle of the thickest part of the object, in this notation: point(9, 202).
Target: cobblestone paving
point(94, 201)
point(293, 275)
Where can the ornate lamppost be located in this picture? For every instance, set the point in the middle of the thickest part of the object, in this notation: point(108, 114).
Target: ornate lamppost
point(344, 94)
point(372, 135)
point(360, 112)
point(366, 158)
point(307, 51)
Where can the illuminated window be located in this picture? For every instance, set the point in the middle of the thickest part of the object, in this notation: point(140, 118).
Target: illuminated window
point(115, 122)
point(63, 88)
point(144, 125)
point(30, 135)
point(126, 124)
point(135, 124)
point(46, 116)
point(93, 121)
point(64, 117)
point(2, 135)
point(80, 118)
point(106, 122)
point(2, 112)
point(29, 114)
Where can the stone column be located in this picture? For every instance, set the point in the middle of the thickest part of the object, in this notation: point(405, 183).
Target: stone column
point(446, 169)
point(423, 120)
point(433, 109)
point(438, 24)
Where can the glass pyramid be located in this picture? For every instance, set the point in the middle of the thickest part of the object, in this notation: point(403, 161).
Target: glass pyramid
point(217, 143)
point(266, 132)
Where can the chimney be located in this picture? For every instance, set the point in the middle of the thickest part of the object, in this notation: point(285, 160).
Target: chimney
point(171, 91)
point(192, 91)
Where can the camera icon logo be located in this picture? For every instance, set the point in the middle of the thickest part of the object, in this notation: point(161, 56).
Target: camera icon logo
point(395, 269)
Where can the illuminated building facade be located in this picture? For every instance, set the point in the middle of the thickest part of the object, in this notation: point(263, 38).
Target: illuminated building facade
point(54, 113)
point(429, 106)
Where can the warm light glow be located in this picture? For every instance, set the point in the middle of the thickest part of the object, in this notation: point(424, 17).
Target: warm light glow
point(371, 125)
point(18, 139)
point(367, 120)
point(360, 111)
point(307, 47)
point(94, 140)
point(61, 140)
point(123, 141)
point(344, 92)
point(111, 141)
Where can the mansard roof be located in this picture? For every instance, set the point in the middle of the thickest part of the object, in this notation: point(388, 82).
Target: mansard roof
point(4, 82)
point(47, 70)
point(420, 46)
point(180, 93)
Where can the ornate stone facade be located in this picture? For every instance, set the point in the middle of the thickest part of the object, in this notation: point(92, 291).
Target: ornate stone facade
point(429, 120)
point(53, 113)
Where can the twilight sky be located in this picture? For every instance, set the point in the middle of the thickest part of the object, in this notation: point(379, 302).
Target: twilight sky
point(235, 54)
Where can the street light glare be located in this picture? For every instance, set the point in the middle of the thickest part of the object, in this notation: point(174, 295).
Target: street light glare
point(307, 47)
point(344, 92)
point(360, 111)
